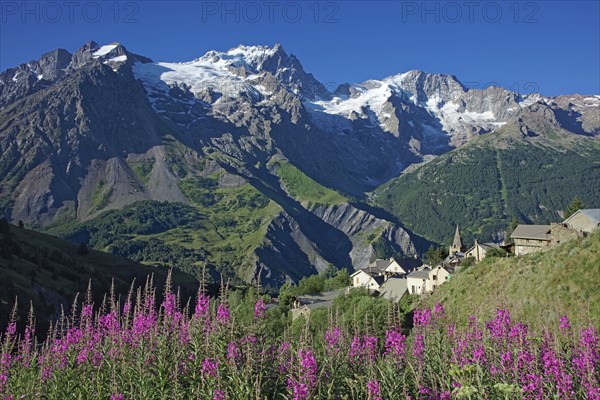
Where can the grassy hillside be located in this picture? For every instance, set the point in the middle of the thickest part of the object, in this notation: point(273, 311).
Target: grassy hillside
point(536, 288)
point(48, 272)
point(483, 184)
point(305, 189)
point(222, 227)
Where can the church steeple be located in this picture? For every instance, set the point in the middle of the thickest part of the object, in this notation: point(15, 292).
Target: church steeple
point(457, 244)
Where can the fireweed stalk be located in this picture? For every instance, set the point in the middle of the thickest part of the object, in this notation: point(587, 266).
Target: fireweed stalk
point(149, 349)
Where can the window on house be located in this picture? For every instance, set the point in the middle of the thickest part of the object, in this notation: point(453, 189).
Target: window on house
point(435, 277)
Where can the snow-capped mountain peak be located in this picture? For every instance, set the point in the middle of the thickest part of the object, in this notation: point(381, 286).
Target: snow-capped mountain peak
point(250, 57)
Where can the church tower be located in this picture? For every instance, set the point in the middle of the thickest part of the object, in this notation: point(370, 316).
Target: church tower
point(457, 244)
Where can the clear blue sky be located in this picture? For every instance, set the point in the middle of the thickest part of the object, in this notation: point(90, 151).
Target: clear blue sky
point(553, 46)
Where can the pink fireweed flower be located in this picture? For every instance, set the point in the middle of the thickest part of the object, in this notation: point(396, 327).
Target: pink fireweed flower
point(518, 334)
point(86, 312)
point(223, 314)
point(307, 376)
point(374, 391)
point(233, 352)
point(109, 322)
point(586, 359)
point(284, 357)
point(259, 309)
point(438, 310)
point(143, 324)
point(12, 329)
point(332, 338)
point(299, 390)
point(210, 367)
point(564, 324)
point(451, 331)
point(202, 306)
point(126, 308)
point(97, 358)
point(355, 348)
point(553, 367)
point(82, 356)
point(249, 339)
point(500, 326)
point(395, 343)
point(169, 304)
point(532, 387)
point(422, 317)
point(5, 364)
point(118, 396)
point(506, 360)
point(370, 347)
point(479, 355)
point(418, 346)
point(218, 394)
point(308, 366)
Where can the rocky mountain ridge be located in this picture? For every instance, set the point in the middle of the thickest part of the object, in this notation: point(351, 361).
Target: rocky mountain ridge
point(104, 128)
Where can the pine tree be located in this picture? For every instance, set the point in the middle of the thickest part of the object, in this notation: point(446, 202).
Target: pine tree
point(573, 207)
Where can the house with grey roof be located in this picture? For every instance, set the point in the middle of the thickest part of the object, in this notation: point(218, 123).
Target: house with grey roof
point(584, 220)
point(362, 277)
point(479, 250)
point(396, 266)
point(394, 288)
point(416, 281)
point(304, 309)
point(531, 238)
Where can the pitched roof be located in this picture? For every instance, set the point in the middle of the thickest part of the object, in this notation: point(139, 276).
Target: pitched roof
point(451, 268)
point(419, 274)
point(486, 246)
point(319, 304)
point(536, 232)
point(369, 271)
point(393, 288)
point(490, 245)
point(379, 279)
point(382, 264)
point(592, 213)
point(409, 263)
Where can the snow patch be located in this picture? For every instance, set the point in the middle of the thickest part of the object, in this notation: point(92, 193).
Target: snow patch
point(122, 58)
point(104, 50)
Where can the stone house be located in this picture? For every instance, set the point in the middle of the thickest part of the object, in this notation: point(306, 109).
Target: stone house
point(560, 233)
point(584, 221)
point(299, 309)
point(531, 238)
point(302, 311)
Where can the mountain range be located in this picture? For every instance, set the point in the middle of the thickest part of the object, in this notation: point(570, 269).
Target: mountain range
point(243, 161)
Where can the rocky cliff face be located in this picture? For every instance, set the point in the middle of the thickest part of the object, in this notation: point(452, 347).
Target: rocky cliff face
point(102, 128)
